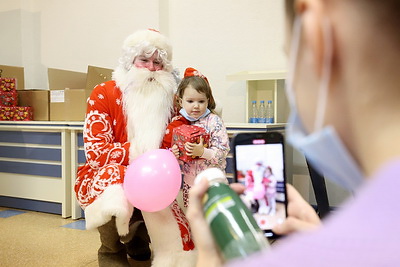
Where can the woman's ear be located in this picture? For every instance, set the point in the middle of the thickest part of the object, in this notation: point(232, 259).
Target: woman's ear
point(313, 19)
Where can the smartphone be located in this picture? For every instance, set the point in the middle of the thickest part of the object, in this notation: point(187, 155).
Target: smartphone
point(259, 164)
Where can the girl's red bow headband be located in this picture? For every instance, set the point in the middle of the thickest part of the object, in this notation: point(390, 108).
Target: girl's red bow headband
point(189, 72)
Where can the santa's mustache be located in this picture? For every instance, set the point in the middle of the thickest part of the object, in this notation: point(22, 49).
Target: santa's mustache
point(142, 78)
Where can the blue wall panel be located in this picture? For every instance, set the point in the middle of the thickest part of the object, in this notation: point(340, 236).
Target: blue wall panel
point(30, 168)
point(80, 139)
point(81, 156)
point(30, 137)
point(30, 153)
point(29, 204)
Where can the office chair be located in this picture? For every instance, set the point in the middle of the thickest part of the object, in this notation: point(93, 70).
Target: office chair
point(321, 195)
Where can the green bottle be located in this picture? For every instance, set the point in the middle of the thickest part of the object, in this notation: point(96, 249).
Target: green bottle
point(232, 224)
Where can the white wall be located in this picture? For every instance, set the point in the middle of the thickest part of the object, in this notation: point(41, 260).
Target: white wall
point(217, 37)
point(70, 34)
point(223, 37)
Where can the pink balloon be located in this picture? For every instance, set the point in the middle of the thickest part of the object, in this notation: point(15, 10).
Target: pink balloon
point(152, 181)
point(259, 191)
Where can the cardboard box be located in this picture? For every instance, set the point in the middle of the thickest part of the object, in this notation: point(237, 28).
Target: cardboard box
point(61, 79)
point(69, 91)
point(14, 72)
point(188, 133)
point(67, 95)
point(38, 100)
point(68, 104)
point(97, 75)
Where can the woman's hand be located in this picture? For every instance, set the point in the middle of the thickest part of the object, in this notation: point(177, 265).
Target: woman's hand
point(209, 255)
point(194, 149)
point(175, 150)
point(301, 216)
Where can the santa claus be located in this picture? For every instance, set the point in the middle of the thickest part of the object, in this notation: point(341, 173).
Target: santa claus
point(125, 118)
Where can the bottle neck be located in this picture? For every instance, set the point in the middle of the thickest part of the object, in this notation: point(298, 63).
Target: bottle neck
point(217, 180)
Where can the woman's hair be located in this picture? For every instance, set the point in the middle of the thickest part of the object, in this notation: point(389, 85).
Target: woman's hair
point(290, 13)
point(383, 14)
point(200, 85)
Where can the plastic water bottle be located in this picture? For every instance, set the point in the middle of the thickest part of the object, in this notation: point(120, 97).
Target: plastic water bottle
point(254, 112)
point(235, 231)
point(262, 113)
point(269, 114)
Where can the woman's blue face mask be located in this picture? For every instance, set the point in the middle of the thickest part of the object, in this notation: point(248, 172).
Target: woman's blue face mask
point(322, 147)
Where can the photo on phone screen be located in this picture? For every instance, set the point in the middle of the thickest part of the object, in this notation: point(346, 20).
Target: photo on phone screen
point(259, 165)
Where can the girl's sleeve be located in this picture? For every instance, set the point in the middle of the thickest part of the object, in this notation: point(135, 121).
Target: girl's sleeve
point(219, 144)
point(175, 122)
point(98, 134)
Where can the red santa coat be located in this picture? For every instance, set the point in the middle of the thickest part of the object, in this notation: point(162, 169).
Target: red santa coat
point(107, 156)
point(251, 187)
point(98, 185)
point(105, 142)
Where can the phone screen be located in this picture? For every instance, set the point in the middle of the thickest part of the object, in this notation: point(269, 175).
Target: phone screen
point(259, 165)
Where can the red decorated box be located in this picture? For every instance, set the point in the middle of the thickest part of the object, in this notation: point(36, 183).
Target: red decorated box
point(23, 114)
point(8, 98)
point(188, 133)
point(6, 113)
point(8, 84)
point(16, 114)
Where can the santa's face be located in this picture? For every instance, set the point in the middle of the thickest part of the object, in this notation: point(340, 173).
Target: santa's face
point(152, 63)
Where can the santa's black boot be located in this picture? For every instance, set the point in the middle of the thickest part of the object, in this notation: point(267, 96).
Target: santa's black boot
point(138, 240)
point(138, 247)
point(111, 252)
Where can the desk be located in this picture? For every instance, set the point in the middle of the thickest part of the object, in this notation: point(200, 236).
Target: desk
point(35, 164)
point(39, 159)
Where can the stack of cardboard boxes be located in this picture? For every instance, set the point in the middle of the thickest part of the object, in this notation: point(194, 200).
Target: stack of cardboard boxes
point(67, 95)
point(9, 109)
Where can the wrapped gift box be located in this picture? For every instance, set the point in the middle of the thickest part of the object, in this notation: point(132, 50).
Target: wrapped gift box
point(23, 114)
point(188, 133)
point(8, 84)
point(8, 98)
point(6, 113)
point(16, 114)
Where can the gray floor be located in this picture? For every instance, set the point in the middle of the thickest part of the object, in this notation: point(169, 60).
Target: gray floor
point(30, 238)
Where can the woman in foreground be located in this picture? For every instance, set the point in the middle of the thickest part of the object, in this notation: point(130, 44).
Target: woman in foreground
point(344, 89)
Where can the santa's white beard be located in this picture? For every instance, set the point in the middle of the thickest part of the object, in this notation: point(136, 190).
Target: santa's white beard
point(147, 98)
point(258, 174)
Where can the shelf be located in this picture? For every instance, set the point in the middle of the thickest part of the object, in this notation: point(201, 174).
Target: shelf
point(265, 85)
point(254, 125)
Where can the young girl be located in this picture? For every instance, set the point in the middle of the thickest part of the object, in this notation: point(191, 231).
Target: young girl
point(196, 107)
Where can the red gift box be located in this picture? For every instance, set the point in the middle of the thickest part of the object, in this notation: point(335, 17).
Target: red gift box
point(8, 84)
point(188, 133)
point(8, 98)
point(6, 113)
point(23, 114)
point(16, 114)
